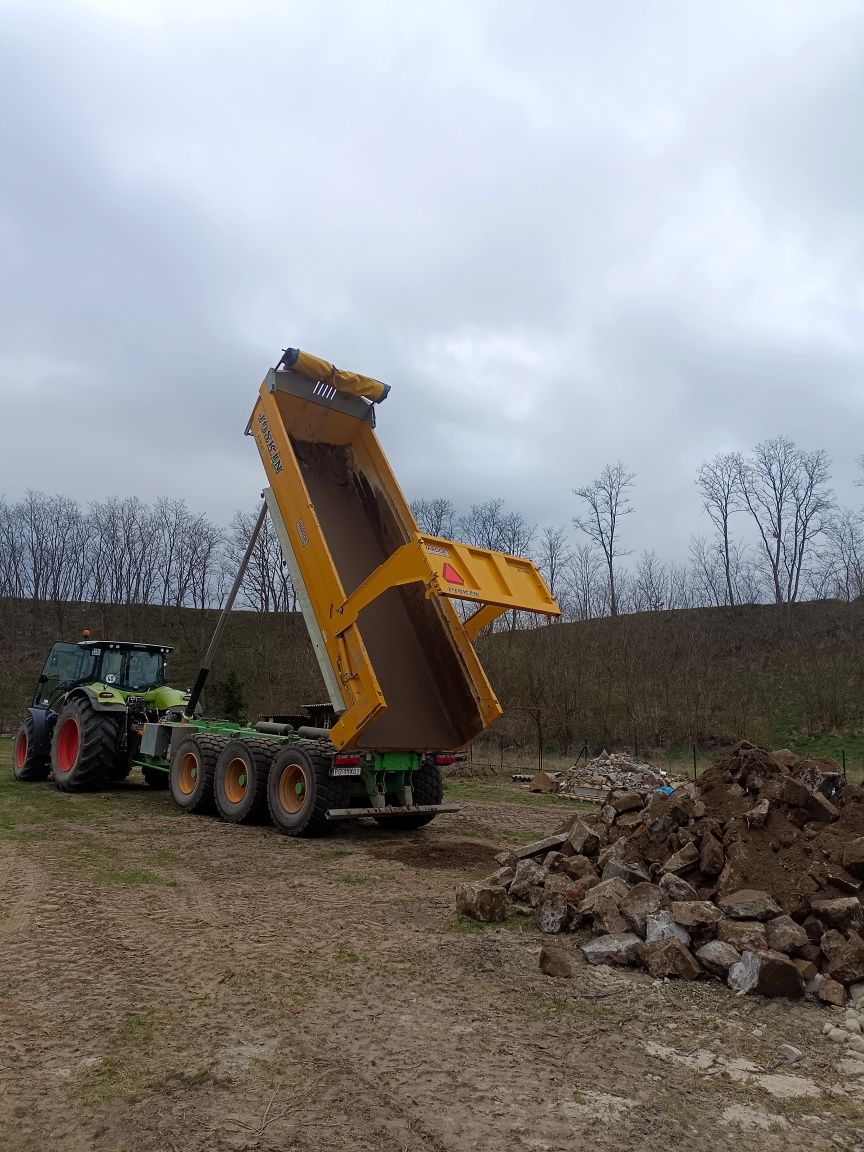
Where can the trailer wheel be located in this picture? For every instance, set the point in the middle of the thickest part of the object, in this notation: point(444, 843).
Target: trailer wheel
point(156, 778)
point(27, 764)
point(240, 780)
point(190, 777)
point(83, 746)
point(300, 789)
point(428, 788)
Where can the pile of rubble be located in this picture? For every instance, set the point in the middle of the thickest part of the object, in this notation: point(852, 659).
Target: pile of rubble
point(754, 876)
point(605, 772)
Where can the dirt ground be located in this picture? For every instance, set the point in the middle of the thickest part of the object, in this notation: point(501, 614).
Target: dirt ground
point(177, 984)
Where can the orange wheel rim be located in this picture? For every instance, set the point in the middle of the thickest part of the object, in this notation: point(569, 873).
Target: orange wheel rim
point(236, 780)
point(21, 750)
point(187, 774)
point(68, 744)
point(292, 788)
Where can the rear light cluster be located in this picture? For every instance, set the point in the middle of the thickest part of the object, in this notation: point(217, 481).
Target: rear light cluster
point(445, 761)
point(346, 761)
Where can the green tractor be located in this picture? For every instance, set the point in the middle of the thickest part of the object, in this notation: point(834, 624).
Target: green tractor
point(90, 704)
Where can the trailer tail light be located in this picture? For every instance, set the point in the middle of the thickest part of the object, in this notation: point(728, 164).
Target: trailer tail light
point(445, 761)
point(345, 764)
point(346, 761)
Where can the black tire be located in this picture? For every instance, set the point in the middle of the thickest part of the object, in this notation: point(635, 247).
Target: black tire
point(27, 764)
point(83, 746)
point(300, 789)
point(428, 788)
point(240, 780)
point(155, 778)
point(190, 778)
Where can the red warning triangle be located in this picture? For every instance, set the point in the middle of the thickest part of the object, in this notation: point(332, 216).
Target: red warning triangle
point(451, 575)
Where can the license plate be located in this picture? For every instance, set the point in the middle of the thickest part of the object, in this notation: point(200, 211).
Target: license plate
point(345, 770)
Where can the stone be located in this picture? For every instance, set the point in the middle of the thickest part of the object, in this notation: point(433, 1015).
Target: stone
point(576, 867)
point(793, 792)
point(605, 914)
point(784, 935)
point(552, 912)
point(850, 1023)
point(614, 890)
point(626, 801)
point(855, 1043)
point(482, 901)
point(503, 877)
point(790, 1053)
point(749, 904)
point(811, 952)
point(676, 888)
point(682, 860)
point(640, 902)
point(669, 958)
point(745, 935)
point(619, 948)
point(695, 914)
point(607, 815)
point(529, 874)
point(583, 838)
point(856, 993)
point(832, 944)
point(629, 873)
point(555, 961)
point(717, 956)
point(766, 974)
point(758, 814)
point(807, 968)
point(848, 964)
point(829, 875)
point(838, 1036)
point(661, 926)
point(618, 850)
point(820, 808)
point(853, 857)
point(711, 856)
point(540, 847)
point(814, 928)
point(832, 992)
point(844, 912)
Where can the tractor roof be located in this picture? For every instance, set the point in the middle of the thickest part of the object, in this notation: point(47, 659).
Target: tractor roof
point(125, 645)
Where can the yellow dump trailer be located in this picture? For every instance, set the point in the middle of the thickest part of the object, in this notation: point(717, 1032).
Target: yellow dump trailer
point(376, 593)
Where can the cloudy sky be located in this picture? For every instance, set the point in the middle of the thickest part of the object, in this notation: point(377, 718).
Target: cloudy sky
point(565, 233)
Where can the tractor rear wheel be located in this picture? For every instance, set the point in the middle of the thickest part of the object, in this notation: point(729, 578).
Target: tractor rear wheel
point(27, 764)
point(240, 780)
point(427, 788)
point(83, 746)
point(300, 789)
point(190, 778)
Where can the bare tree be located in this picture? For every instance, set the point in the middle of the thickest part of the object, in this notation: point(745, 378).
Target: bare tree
point(587, 591)
point(436, 516)
point(650, 583)
point(607, 501)
point(719, 481)
point(553, 556)
point(786, 492)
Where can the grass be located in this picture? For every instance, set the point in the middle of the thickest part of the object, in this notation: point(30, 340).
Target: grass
point(352, 878)
point(513, 922)
point(500, 791)
point(346, 955)
point(125, 1072)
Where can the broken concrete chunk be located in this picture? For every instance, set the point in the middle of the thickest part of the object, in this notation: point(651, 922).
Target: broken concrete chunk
point(745, 935)
point(620, 948)
point(483, 901)
point(844, 912)
point(661, 926)
point(629, 873)
point(820, 808)
point(577, 867)
point(749, 904)
point(757, 815)
point(540, 847)
point(832, 944)
point(555, 961)
point(695, 914)
point(640, 902)
point(626, 801)
point(676, 888)
point(606, 916)
point(853, 857)
point(767, 974)
point(614, 890)
point(552, 912)
point(784, 935)
point(807, 968)
point(682, 860)
point(793, 793)
point(711, 856)
point(529, 874)
point(848, 963)
point(583, 838)
point(669, 958)
point(718, 957)
point(832, 992)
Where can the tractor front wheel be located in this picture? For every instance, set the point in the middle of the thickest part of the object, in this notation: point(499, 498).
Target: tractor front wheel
point(83, 747)
point(27, 764)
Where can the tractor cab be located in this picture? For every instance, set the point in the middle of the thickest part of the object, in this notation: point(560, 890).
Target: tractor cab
point(124, 666)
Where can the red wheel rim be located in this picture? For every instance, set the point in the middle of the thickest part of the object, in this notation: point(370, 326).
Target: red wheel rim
point(68, 744)
point(21, 750)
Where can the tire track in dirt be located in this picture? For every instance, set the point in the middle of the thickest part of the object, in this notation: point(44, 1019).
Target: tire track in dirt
point(31, 882)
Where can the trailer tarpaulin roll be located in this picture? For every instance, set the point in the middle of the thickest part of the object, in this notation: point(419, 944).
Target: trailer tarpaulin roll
point(314, 368)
